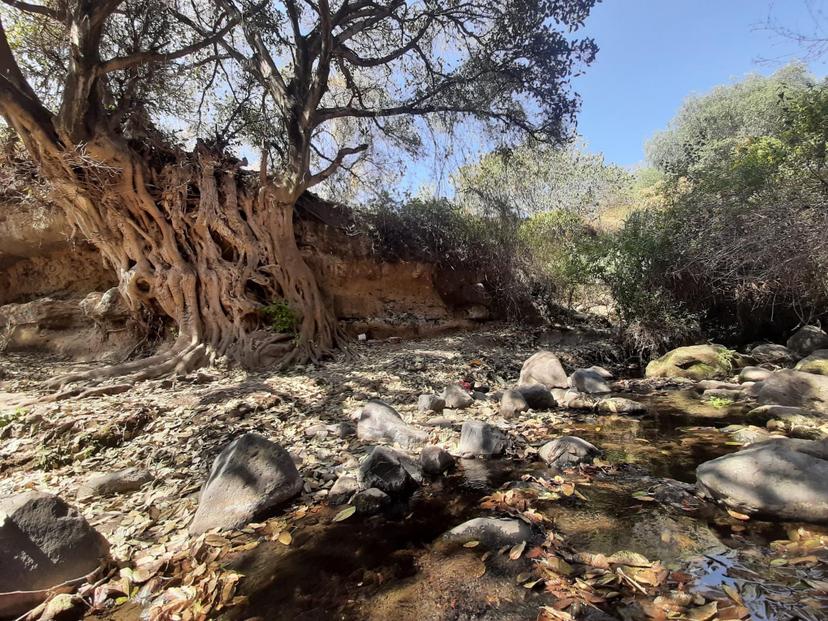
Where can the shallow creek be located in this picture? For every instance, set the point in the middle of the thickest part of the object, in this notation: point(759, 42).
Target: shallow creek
point(391, 566)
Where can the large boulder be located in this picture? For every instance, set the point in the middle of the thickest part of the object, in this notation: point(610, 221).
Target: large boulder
point(250, 477)
point(589, 381)
point(807, 340)
point(543, 368)
point(568, 451)
point(391, 471)
point(815, 362)
point(797, 389)
point(379, 422)
point(478, 439)
point(43, 542)
point(772, 353)
point(491, 532)
point(779, 478)
point(698, 362)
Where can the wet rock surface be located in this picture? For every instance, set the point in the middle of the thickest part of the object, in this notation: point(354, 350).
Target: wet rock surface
point(781, 478)
point(568, 451)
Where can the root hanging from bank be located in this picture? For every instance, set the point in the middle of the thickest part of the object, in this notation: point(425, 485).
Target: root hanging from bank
point(204, 244)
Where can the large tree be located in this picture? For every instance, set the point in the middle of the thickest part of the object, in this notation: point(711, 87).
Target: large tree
point(93, 89)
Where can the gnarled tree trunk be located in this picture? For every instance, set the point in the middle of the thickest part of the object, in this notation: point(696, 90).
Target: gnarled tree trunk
point(199, 241)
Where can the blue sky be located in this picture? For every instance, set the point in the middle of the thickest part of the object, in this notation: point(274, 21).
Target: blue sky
point(654, 53)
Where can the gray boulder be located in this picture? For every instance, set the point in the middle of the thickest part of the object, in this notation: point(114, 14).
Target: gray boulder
point(538, 396)
point(435, 460)
point(807, 340)
point(772, 353)
point(431, 403)
point(121, 482)
point(512, 402)
point(391, 471)
point(815, 362)
point(575, 400)
point(620, 405)
point(491, 532)
point(371, 500)
point(478, 439)
point(779, 478)
point(588, 381)
point(456, 398)
point(754, 374)
point(601, 371)
point(251, 477)
point(543, 368)
point(43, 542)
point(379, 422)
point(342, 490)
point(797, 389)
point(568, 451)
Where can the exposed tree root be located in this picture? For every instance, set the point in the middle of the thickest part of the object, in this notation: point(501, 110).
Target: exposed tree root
point(207, 246)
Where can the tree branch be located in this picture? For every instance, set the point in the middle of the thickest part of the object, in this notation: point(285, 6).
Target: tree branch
point(334, 165)
point(36, 9)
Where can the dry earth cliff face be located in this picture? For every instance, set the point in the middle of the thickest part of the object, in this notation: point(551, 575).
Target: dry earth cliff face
point(52, 283)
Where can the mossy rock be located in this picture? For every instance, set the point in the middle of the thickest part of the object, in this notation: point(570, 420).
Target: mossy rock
point(817, 363)
point(697, 362)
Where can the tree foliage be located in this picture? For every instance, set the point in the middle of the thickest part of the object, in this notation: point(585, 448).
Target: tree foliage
point(740, 240)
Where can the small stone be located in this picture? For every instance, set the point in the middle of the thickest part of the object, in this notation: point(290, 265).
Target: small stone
point(121, 482)
point(371, 500)
point(435, 460)
point(479, 439)
point(753, 374)
point(342, 490)
point(391, 471)
point(491, 532)
point(440, 421)
point(456, 398)
point(379, 421)
point(588, 381)
point(620, 405)
point(538, 397)
point(568, 451)
point(511, 403)
point(430, 403)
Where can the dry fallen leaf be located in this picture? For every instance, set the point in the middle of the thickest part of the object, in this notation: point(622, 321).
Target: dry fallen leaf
point(517, 550)
point(345, 513)
point(284, 538)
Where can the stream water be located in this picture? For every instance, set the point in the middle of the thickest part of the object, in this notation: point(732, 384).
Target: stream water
point(388, 566)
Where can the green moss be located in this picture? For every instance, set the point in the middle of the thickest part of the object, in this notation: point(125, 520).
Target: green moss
point(280, 317)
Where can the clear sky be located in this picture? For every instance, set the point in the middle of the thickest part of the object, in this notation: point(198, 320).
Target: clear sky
point(654, 53)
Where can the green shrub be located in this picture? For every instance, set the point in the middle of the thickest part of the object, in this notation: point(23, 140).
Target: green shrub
point(280, 317)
